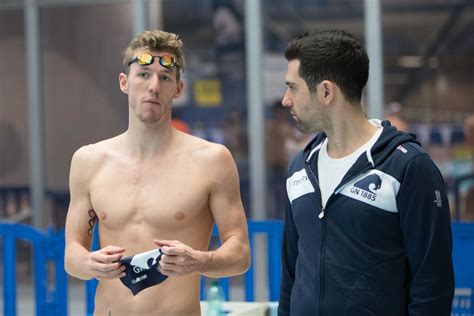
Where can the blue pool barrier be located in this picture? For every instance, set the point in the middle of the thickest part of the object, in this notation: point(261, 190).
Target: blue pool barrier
point(272, 230)
point(48, 248)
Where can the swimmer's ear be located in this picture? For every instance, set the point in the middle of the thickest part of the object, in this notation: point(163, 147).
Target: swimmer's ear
point(179, 89)
point(123, 81)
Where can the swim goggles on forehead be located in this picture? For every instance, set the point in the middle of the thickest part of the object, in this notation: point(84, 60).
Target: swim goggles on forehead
point(146, 59)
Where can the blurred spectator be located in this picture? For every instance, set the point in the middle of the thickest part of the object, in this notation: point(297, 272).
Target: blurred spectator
point(282, 141)
point(278, 131)
point(468, 202)
point(235, 138)
point(15, 204)
point(229, 52)
point(179, 123)
point(227, 24)
point(469, 130)
point(467, 205)
point(393, 114)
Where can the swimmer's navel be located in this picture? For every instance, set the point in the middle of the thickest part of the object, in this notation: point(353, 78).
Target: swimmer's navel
point(179, 215)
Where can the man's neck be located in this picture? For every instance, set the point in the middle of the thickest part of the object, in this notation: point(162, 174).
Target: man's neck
point(348, 134)
point(144, 141)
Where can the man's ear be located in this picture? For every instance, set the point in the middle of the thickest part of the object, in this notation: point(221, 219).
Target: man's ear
point(327, 90)
point(179, 89)
point(123, 82)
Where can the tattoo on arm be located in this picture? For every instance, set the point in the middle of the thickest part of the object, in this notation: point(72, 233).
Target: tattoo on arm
point(92, 221)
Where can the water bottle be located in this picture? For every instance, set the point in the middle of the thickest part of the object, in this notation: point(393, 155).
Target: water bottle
point(215, 297)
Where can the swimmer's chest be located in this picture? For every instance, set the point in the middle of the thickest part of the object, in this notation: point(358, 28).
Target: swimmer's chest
point(123, 193)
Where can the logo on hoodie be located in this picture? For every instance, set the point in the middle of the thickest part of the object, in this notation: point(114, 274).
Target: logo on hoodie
point(298, 185)
point(367, 186)
point(375, 188)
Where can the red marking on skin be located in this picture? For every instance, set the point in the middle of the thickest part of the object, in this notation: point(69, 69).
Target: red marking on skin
point(179, 215)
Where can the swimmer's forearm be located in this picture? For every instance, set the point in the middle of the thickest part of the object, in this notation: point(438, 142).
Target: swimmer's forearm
point(231, 258)
point(74, 262)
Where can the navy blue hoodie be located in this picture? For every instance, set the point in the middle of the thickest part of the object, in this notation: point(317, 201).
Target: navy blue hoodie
point(382, 244)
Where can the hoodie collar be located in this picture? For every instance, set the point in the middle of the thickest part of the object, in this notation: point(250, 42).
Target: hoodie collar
point(388, 141)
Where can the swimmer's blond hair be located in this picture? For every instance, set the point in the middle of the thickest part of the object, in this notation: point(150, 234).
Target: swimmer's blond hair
point(156, 40)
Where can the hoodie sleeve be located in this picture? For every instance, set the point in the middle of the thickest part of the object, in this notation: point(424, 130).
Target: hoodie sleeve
point(289, 255)
point(425, 224)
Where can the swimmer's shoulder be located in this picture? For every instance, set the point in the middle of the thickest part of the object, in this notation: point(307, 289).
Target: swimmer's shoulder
point(208, 154)
point(92, 156)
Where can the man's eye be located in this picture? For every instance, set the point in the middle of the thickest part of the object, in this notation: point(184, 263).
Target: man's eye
point(165, 78)
point(143, 75)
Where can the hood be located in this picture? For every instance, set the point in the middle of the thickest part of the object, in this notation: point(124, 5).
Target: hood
point(388, 141)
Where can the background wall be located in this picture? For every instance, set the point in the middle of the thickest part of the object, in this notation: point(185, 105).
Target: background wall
point(428, 65)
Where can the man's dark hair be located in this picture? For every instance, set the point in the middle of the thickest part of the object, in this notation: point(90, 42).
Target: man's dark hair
point(331, 55)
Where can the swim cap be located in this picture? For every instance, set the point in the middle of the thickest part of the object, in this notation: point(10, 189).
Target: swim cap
point(142, 271)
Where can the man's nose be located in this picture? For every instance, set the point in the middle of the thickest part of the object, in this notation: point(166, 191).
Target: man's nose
point(154, 85)
point(286, 101)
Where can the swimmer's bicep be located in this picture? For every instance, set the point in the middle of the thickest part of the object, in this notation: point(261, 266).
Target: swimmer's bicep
point(80, 223)
point(80, 218)
point(225, 200)
point(226, 182)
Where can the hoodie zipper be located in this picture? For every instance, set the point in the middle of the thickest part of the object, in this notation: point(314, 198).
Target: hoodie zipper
point(323, 232)
point(323, 228)
point(321, 214)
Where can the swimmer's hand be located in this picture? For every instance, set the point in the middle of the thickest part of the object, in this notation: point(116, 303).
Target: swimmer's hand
point(178, 259)
point(104, 263)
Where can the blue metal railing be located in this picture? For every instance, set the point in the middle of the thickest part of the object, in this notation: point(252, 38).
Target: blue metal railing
point(273, 230)
point(48, 247)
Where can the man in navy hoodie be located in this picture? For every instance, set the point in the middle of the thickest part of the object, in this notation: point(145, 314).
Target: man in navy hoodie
point(367, 228)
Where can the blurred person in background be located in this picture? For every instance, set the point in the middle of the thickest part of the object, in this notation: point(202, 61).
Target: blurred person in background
point(235, 138)
point(367, 229)
point(282, 139)
point(469, 132)
point(467, 207)
point(154, 187)
point(235, 135)
point(393, 114)
point(278, 132)
point(178, 123)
